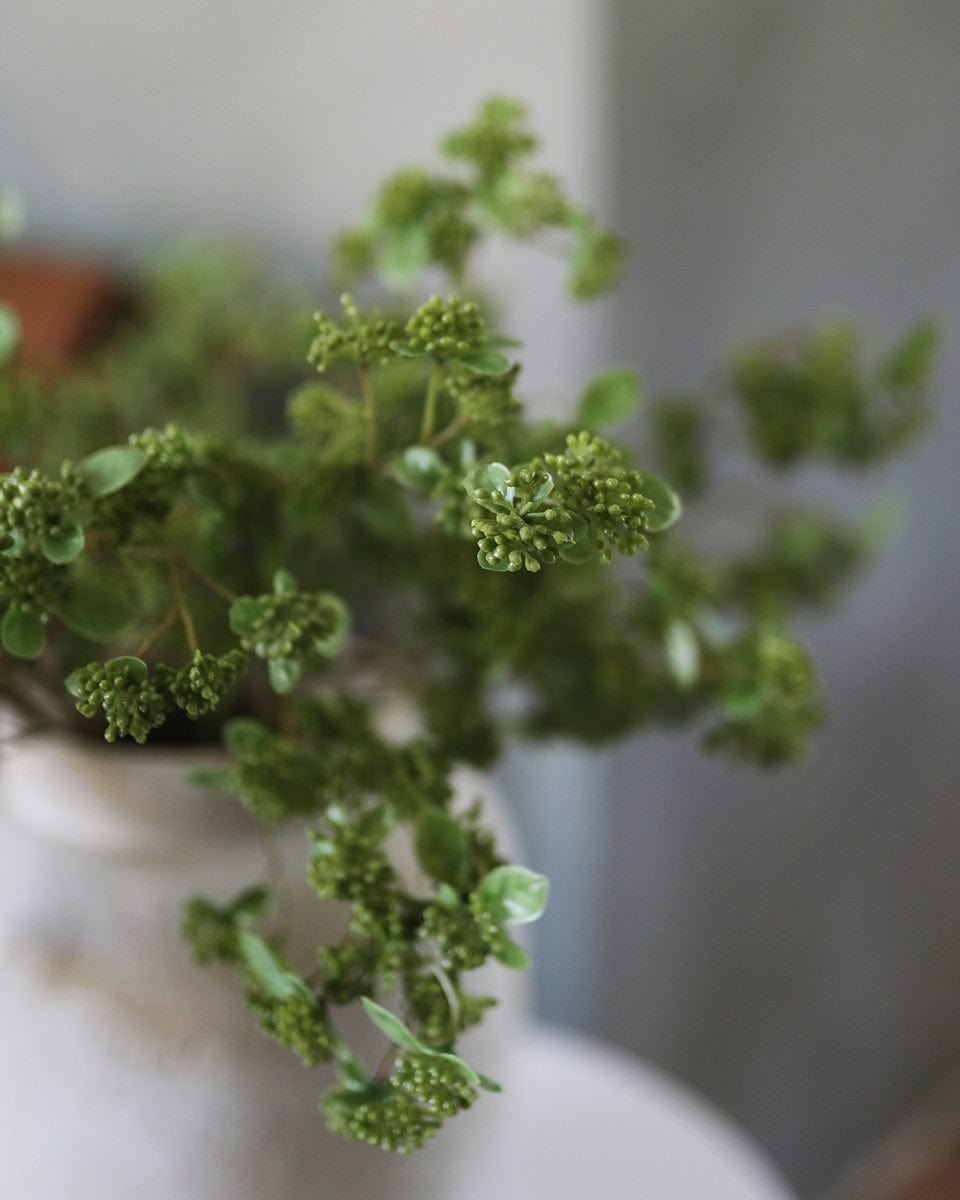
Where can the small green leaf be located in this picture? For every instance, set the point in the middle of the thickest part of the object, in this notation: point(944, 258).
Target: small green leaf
point(584, 546)
point(489, 477)
point(72, 683)
point(683, 653)
point(404, 254)
point(514, 894)
point(246, 616)
point(284, 584)
point(107, 471)
point(666, 503)
point(443, 847)
point(464, 1068)
point(135, 668)
point(352, 1075)
point(94, 608)
point(406, 350)
point(268, 971)
point(9, 334)
point(484, 362)
point(609, 398)
point(418, 468)
point(22, 633)
point(212, 779)
point(490, 1085)
point(392, 1027)
point(284, 674)
point(246, 735)
point(578, 552)
point(506, 951)
point(18, 544)
point(65, 545)
point(447, 896)
point(499, 342)
point(250, 905)
point(542, 490)
point(334, 641)
point(498, 564)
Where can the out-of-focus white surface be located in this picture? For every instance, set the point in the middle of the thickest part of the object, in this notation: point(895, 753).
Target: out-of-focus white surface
point(601, 1124)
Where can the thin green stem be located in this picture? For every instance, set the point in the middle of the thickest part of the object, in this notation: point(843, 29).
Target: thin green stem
point(208, 582)
point(369, 412)
point(186, 619)
point(456, 426)
point(385, 1065)
point(155, 554)
point(448, 990)
point(430, 405)
point(160, 632)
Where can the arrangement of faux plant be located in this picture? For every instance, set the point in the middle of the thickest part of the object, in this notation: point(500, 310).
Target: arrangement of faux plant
point(414, 529)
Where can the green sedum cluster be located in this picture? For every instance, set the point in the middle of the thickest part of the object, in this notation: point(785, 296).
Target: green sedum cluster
point(195, 571)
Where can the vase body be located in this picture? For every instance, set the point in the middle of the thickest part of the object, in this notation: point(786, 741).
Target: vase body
point(127, 1071)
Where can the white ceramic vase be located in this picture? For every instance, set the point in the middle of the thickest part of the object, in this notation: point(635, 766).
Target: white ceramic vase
point(126, 1071)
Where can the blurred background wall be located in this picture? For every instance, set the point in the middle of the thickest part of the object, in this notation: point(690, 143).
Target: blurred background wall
point(793, 944)
point(786, 942)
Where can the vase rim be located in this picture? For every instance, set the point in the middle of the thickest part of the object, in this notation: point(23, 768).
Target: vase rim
point(114, 800)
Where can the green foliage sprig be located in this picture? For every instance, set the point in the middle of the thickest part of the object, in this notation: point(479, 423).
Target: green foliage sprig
point(205, 574)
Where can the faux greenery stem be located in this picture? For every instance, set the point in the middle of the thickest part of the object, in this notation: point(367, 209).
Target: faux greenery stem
point(208, 581)
point(160, 632)
point(385, 1065)
point(173, 561)
point(369, 412)
point(430, 405)
point(454, 429)
point(448, 989)
point(185, 617)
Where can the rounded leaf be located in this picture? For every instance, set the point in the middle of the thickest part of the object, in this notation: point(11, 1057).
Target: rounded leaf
point(496, 564)
point(506, 951)
point(135, 668)
point(284, 583)
point(514, 894)
point(246, 616)
point(246, 735)
point(22, 633)
point(489, 477)
point(666, 503)
point(108, 470)
point(392, 1027)
point(484, 362)
point(443, 847)
point(419, 468)
point(609, 398)
point(94, 608)
point(404, 254)
point(284, 674)
point(464, 1068)
point(333, 643)
point(683, 653)
point(250, 905)
point(212, 779)
point(268, 971)
point(65, 545)
point(406, 349)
